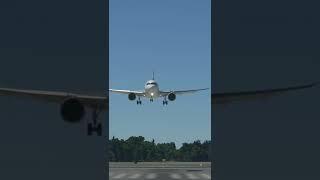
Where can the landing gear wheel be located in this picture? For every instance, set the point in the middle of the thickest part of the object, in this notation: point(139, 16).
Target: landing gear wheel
point(94, 126)
point(99, 129)
point(89, 129)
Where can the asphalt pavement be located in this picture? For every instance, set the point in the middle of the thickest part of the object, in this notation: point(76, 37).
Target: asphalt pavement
point(160, 170)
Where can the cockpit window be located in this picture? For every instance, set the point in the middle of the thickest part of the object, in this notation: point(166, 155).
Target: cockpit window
point(152, 83)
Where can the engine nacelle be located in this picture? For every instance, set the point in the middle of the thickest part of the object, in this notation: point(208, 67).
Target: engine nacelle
point(132, 96)
point(72, 110)
point(171, 96)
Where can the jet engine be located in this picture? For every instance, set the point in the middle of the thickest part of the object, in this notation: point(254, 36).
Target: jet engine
point(132, 96)
point(72, 110)
point(171, 96)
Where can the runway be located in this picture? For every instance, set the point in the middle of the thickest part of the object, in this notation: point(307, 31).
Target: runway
point(159, 171)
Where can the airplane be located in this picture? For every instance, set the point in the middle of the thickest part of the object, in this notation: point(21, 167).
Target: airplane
point(152, 91)
point(73, 106)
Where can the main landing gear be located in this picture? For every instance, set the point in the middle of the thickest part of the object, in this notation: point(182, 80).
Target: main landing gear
point(165, 102)
point(139, 101)
point(95, 126)
point(151, 100)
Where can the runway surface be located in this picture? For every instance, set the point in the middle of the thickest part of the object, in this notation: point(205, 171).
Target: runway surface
point(159, 171)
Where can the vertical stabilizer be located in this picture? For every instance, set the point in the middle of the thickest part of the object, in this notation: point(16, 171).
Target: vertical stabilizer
point(153, 75)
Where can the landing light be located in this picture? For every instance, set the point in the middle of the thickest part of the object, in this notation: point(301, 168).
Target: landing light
point(151, 94)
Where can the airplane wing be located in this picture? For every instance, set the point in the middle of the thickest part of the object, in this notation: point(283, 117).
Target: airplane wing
point(138, 93)
point(223, 98)
point(165, 93)
point(56, 97)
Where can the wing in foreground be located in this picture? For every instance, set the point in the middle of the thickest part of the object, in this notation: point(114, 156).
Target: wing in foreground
point(223, 98)
point(72, 105)
point(57, 97)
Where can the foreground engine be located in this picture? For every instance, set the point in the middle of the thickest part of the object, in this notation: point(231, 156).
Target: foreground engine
point(132, 96)
point(72, 110)
point(171, 96)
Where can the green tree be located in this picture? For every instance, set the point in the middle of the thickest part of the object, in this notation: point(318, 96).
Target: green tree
point(137, 149)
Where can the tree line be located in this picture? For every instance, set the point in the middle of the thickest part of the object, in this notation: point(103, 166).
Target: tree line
point(137, 149)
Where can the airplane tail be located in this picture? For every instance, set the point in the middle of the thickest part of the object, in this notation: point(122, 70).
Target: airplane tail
point(153, 75)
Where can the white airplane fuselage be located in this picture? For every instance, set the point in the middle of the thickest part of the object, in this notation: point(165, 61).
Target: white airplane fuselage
point(151, 89)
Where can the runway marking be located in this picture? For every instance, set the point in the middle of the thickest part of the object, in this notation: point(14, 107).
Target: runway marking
point(175, 176)
point(119, 176)
point(191, 176)
point(154, 176)
point(205, 176)
point(151, 176)
point(135, 176)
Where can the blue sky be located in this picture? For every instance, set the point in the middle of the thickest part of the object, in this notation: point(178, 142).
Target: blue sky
point(173, 38)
